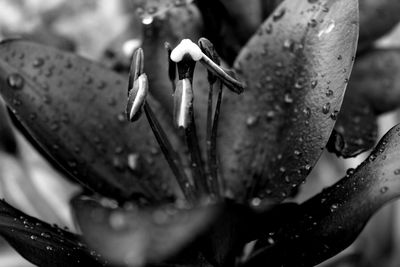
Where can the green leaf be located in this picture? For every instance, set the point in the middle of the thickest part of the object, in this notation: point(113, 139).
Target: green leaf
point(74, 109)
point(272, 136)
point(329, 222)
point(135, 235)
point(373, 90)
point(377, 18)
point(43, 244)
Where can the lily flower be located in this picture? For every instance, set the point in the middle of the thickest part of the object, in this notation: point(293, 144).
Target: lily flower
point(181, 171)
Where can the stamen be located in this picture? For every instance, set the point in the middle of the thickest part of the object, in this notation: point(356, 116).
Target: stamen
point(230, 82)
point(170, 155)
point(184, 116)
point(136, 68)
point(137, 98)
point(186, 47)
point(183, 100)
point(212, 124)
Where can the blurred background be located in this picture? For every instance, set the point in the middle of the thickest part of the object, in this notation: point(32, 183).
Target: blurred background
point(108, 31)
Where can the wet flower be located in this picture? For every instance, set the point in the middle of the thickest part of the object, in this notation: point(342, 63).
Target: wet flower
point(182, 172)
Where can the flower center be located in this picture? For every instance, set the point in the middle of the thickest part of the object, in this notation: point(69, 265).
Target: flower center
point(206, 180)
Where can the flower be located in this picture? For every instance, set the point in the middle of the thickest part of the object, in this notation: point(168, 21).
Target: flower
point(168, 201)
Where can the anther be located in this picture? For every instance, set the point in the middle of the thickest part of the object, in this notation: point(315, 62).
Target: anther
point(137, 66)
point(189, 49)
point(183, 102)
point(137, 97)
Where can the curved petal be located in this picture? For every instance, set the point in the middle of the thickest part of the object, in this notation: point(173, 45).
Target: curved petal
point(74, 109)
point(330, 221)
point(43, 244)
point(135, 236)
point(376, 19)
point(274, 134)
point(373, 90)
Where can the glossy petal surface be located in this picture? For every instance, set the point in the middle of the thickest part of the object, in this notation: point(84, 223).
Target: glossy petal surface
point(272, 136)
point(43, 244)
point(75, 110)
point(329, 222)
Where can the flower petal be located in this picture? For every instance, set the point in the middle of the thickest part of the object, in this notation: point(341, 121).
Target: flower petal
point(274, 134)
point(75, 110)
point(135, 236)
point(373, 90)
point(376, 19)
point(329, 222)
point(43, 244)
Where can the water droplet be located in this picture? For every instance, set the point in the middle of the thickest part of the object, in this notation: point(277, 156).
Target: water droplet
point(49, 248)
point(288, 99)
point(314, 84)
point(270, 240)
point(333, 207)
point(45, 235)
point(33, 237)
point(251, 121)
point(313, 23)
point(15, 81)
point(133, 161)
point(38, 62)
point(326, 108)
point(384, 190)
point(278, 14)
point(397, 172)
point(329, 93)
point(255, 202)
point(117, 221)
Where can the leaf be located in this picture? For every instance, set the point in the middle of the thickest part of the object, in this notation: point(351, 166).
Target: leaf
point(43, 244)
point(272, 136)
point(329, 222)
point(135, 236)
point(373, 90)
point(74, 109)
point(377, 18)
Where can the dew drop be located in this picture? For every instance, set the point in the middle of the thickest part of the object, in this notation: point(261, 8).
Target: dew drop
point(15, 81)
point(251, 121)
point(384, 190)
point(133, 161)
point(326, 108)
point(397, 172)
point(255, 202)
point(38, 62)
point(278, 14)
point(288, 99)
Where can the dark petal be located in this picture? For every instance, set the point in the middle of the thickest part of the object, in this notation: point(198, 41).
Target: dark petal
point(43, 244)
point(373, 89)
point(246, 17)
point(75, 110)
point(376, 19)
point(272, 136)
point(329, 222)
point(135, 236)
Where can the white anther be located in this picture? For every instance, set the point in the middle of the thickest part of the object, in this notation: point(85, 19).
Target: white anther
point(186, 47)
